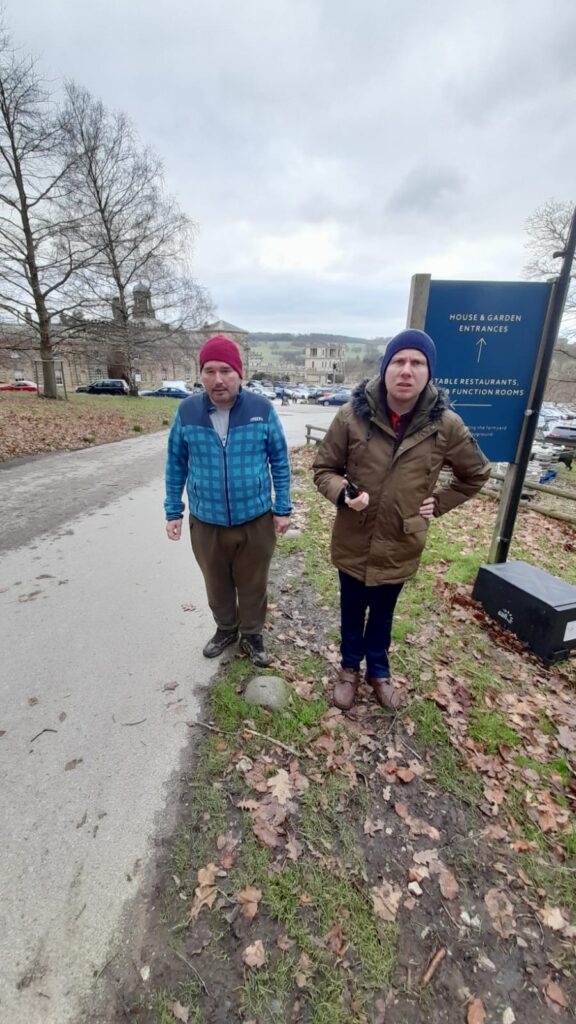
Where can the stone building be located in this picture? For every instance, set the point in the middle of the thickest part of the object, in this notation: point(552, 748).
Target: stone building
point(325, 364)
point(87, 350)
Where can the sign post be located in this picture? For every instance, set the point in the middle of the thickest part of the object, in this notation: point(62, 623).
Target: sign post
point(493, 355)
point(512, 491)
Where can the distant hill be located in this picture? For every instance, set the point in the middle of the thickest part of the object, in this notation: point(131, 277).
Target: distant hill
point(362, 354)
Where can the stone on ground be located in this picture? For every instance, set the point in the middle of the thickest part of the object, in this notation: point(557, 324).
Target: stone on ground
point(267, 691)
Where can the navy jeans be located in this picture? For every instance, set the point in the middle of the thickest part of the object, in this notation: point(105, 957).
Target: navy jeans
point(361, 637)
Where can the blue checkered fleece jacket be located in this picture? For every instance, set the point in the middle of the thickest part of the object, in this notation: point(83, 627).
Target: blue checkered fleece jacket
point(232, 484)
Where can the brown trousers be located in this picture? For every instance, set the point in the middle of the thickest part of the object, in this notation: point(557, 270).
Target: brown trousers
point(235, 561)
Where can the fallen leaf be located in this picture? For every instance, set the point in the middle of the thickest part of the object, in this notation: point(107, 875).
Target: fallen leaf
point(386, 900)
point(508, 1017)
point(205, 893)
point(566, 738)
point(335, 941)
point(249, 899)
point(552, 917)
point(180, 1012)
point(448, 885)
point(254, 955)
point(73, 764)
point(476, 1012)
point(265, 835)
point(170, 686)
point(426, 856)
point(302, 975)
point(406, 775)
point(281, 786)
point(248, 805)
point(227, 844)
point(501, 912)
point(494, 832)
point(145, 972)
point(371, 827)
point(32, 701)
point(293, 848)
point(554, 994)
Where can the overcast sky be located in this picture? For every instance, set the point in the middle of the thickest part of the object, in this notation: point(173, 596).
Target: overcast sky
point(328, 149)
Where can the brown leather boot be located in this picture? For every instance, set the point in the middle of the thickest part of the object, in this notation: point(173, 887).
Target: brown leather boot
point(345, 688)
point(386, 694)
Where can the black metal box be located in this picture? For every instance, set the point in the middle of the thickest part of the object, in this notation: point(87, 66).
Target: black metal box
point(539, 608)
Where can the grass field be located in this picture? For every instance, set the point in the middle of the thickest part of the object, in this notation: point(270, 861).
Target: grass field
point(30, 425)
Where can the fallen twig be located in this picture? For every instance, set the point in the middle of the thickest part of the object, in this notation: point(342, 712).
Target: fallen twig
point(262, 736)
point(139, 722)
point(107, 964)
point(40, 733)
point(191, 967)
point(433, 966)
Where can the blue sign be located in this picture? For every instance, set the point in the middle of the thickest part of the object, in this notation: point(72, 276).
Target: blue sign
point(487, 335)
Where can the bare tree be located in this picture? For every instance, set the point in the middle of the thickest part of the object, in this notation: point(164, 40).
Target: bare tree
point(38, 256)
point(140, 239)
point(547, 230)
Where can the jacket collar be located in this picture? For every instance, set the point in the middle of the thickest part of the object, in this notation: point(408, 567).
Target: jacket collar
point(367, 405)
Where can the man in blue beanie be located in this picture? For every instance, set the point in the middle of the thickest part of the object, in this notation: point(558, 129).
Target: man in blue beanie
point(391, 442)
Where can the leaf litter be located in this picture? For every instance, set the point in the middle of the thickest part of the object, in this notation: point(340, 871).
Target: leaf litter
point(476, 890)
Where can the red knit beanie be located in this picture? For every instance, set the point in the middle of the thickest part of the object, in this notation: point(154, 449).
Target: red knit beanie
point(223, 350)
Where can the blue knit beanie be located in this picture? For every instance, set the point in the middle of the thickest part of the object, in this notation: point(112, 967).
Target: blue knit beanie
point(410, 338)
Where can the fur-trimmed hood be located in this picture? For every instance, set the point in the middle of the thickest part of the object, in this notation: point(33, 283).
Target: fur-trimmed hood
point(367, 403)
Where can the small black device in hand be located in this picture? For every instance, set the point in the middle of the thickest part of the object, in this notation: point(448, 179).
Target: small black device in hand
point(352, 491)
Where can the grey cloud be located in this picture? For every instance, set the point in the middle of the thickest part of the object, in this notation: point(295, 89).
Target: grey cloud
point(303, 303)
point(409, 127)
point(426, 190)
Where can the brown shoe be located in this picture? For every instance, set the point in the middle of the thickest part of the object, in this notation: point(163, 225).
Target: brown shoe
point(386, 695)
point(345, 688)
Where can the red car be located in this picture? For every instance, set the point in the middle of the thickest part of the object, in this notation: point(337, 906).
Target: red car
point(19, 385)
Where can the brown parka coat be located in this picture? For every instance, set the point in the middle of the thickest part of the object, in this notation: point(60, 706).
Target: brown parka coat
point(384, 543)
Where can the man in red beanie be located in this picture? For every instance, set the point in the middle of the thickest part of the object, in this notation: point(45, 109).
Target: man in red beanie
point(228, 447)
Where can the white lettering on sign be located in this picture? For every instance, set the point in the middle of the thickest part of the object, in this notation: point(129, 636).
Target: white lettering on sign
point(483, 318)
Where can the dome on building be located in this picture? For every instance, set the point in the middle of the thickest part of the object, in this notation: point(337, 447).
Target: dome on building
point(141, 288)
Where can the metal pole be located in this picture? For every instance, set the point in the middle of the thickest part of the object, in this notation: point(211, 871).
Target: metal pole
point(512, 488)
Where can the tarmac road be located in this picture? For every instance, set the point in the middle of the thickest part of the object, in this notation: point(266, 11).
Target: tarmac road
point(102, 622)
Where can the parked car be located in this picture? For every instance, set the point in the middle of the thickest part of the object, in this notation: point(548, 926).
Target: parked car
point(339, 397)
point(302, 393)
point(259, 389)
point(19, 385)
point(105, 387)
point(562, 433)
point(166, 393)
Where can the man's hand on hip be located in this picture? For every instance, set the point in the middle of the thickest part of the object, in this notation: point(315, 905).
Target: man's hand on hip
point(281, 524)
point(427, 508)
point(174, 529)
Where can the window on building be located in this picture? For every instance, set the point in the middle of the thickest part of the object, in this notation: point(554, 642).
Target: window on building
point(313, 352)
point(59, 378)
